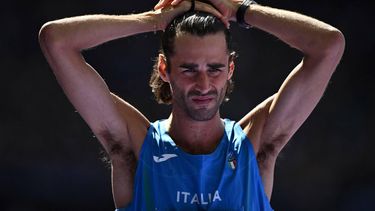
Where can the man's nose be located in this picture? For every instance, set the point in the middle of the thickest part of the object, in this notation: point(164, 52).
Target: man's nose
point(203, 82)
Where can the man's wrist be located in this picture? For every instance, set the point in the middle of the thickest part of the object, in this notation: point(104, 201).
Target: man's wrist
point(241, 12)
point(153, 18)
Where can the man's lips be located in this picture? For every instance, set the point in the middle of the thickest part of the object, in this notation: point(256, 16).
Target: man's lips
point(202, 99)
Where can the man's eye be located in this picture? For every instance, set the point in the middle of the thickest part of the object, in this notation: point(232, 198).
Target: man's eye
point(189, 70)
point(215, 71)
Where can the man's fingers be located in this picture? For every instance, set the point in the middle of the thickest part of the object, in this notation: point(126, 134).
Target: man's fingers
point(175, 2)
point(160, 4)
point(200, 6)
point(208, 8)
point(163, 3)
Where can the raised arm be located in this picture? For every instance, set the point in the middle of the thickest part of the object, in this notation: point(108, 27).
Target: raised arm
point(322, 46)
point(62, 42)
point(271, 124)
point(107, 115)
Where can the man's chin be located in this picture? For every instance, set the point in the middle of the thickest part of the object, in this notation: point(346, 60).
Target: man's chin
point(202, 114)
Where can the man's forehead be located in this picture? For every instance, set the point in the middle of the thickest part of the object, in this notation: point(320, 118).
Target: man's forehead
point(192, 43)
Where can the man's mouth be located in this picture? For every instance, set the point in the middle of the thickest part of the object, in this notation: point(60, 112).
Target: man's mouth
point(202, 100)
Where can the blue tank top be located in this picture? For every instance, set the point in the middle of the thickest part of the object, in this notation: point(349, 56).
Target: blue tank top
point(168, 178)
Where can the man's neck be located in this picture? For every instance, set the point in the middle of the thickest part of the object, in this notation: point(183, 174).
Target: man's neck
point(196, 137)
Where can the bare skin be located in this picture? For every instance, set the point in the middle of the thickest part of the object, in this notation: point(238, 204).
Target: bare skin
point(196, 85)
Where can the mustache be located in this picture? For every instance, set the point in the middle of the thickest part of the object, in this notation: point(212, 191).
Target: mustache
point(200, 94)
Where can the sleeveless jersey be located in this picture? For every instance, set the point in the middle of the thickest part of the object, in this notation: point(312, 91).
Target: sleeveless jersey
point(168, 178)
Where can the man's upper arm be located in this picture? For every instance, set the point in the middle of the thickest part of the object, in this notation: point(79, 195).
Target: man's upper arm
point(136, 123)
point(107, 116)
point(272, 123)
point(279, 117)
point(296, 99)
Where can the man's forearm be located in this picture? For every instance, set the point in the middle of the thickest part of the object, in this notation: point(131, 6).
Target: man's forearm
point(311, 36)
point(87, 31)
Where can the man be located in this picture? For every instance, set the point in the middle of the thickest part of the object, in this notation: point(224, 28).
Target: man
point(194, 159)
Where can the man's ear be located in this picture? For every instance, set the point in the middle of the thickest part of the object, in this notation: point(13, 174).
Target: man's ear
point(231, 69)
point(162, 67)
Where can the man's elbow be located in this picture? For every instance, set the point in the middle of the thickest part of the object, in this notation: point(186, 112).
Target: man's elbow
point(49, 37)
point(334, 45)
point(328, 50)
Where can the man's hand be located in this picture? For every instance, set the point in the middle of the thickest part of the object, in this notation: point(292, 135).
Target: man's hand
point(226, 8)
point(169, 11)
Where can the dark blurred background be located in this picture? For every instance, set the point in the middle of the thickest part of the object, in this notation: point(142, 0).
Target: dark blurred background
point(50, 160)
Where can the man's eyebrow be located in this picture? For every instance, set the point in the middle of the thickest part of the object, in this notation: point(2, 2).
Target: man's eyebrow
point(189, 65)
point(195, 66)
point(216, 65)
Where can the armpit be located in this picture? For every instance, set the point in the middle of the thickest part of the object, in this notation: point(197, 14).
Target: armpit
point(270, 150)
point(114, 148)
point(264, 153)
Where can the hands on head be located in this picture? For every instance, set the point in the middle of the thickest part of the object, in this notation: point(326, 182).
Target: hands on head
point(225, 10)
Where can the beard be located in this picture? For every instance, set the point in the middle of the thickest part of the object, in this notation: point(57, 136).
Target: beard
point(202, 113)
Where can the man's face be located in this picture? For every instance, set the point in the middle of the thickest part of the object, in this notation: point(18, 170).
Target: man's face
point(200, 69)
